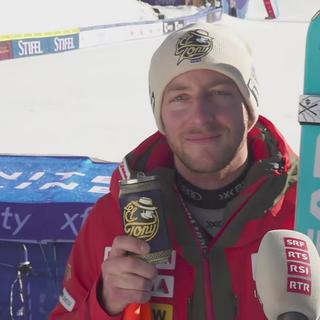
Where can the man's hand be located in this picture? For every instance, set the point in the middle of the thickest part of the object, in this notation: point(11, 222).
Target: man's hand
point(126, 279)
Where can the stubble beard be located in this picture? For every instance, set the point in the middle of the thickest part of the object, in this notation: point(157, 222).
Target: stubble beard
point(210, 163)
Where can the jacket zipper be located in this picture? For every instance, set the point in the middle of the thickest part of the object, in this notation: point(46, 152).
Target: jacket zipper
point(207, 274)
point(207, 287)
point(206, 268)
point(206, 264)
point(190, 308)
point(208, 293)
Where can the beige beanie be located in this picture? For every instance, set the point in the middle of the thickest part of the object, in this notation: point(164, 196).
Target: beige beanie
point(209, 46)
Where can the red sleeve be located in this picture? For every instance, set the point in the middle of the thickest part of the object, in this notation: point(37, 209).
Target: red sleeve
point(79, 298)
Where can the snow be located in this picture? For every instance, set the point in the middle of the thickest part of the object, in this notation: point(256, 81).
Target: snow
point(44, 15)
point(94, 102)
point(177, 11)
point(279, 62)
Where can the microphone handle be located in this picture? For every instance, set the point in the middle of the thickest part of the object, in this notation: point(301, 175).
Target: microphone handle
point(292, 316)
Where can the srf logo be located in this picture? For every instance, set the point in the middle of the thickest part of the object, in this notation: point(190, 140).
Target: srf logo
point(141, 219)
point(193, 46)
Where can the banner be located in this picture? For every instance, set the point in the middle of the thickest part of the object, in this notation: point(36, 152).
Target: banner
point(6, 50)
point(48, 263)
point(29, 47)
point(44, 201)
point(35, 44)
point(48, 198)
point(172, 25)
point(166, 2)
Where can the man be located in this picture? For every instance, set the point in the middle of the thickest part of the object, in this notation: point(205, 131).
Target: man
point(235, 8)
point(227, 178)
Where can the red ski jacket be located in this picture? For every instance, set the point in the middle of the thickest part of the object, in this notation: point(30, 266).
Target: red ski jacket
point(217, 284)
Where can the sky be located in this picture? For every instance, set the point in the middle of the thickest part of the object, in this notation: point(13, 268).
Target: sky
point(94, 101)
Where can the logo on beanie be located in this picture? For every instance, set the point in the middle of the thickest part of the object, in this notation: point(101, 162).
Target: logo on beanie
point(193, 46)
point(253, 86)
point(152, 99)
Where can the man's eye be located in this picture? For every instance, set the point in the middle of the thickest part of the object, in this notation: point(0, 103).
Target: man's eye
point(179, 98)
point(221, 93)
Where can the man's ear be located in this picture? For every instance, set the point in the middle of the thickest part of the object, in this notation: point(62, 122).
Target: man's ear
point(248, 118)
point(163, 126)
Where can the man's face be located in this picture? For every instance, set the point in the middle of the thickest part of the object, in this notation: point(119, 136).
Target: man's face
point(205, 121)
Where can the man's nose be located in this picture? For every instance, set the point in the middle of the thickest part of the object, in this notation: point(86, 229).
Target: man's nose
point(202, 110)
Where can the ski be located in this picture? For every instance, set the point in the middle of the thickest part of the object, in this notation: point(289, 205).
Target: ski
point(308, 198)
point(269, 8)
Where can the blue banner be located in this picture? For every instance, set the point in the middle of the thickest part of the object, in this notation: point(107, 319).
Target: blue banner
point(29, 47)
point(43, 45)
point(45, 198)
point(44, 201)
point(63, 43)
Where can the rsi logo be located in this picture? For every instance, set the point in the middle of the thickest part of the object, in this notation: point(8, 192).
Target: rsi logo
point(42, 181)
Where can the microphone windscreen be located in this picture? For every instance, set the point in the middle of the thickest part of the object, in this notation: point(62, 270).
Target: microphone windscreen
point(287, 274)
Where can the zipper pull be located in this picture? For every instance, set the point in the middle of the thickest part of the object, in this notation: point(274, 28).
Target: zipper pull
point(235, 304)
point(205, 252)
point(189, 307)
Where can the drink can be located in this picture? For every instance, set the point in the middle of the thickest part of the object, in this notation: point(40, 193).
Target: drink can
point(143, 216)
